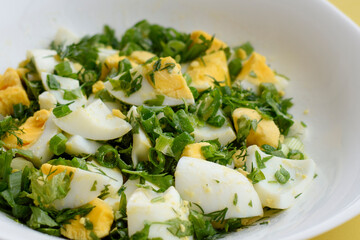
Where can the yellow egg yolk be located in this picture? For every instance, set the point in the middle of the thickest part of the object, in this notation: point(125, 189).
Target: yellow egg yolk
point(168, 79)
point(216, 44)
point(256, 70)
point(112, 62)
point(140, 57)
point(52, 170)
point(101, 217)
point(204, 70)
point(11, 92)
point(30, 131)
point(99, 85)
point(266, 131)
point(194, 150)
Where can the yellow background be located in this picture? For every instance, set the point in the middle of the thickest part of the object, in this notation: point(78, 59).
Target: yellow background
point(351, 229)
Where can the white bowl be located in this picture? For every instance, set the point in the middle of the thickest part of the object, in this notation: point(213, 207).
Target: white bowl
point(310, 41)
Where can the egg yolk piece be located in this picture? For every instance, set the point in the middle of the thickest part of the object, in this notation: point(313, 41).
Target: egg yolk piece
point(266, 131)
point(112, 62)
point(194, 150)
point(168, 79)
point(52, 170)
point(11, 92)
point(30, 131)
point(204, 70)
point(101, 217)
point(140, 57)
point(215, 45)
point(256, 70)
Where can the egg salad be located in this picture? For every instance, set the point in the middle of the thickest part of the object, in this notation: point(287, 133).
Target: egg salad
point(158, 134)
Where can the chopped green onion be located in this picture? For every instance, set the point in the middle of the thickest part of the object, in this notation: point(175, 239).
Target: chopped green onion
point(158, 101)
point(107, 156)
point(62, 110)
point(58, 144)
point(282, 175)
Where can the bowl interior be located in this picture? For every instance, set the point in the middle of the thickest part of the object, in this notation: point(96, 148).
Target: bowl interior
point(309, 41)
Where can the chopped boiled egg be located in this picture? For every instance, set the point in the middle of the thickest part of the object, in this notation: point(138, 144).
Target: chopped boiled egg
point(85, 186)
point(47, 100)
point(35, 133)
point(224, 134)
point(215, 187)
point(114, 174)
point(11, 92)
point(160, 77)
point(65, 84)
point(140, 57)
point(284, 178)
point(78, 145)
point(65, 37)
point(100, 217)
point(266, 131)
point(215, 45)
point(204, 70)
point(99, 85)
point(141, 143)
point(112, 62)
point(255, 71)
point(95, 122)
point(194, 150)
point(19, 163)
point(146, 206)
point(44, 59)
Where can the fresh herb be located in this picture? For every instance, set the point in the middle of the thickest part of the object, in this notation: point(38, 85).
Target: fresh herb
point(93, 187)
point(215, 153)
point(52, 82)
point(163, 181)
point(57, 144)
point(235, 67)
point(256, 175)
point(88, 224)
point(129, 81)
point(282, 175)
point(8, 126)
point(217, 216)
point(63, 69)
point(46, 190)
point(157, 101)
point(250, 203)
point(252, 74)
point(235, 200)
point(298, 195)
point(61, 110)
point(72, 94)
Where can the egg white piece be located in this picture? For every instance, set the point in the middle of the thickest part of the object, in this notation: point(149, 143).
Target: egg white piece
point(44, 59)
point(146, 92)
point(65, 83)
point(19, 163)
point(147, 205)
point(141, 143)
point(273, 194)
point(94, 122)
point(47, 100)
point(40, 149)
point(215, 187)
point(111, 105)
point(114, 174)
point(104, 53)
point(80, 189)
point(130, 188)
point(64, 37)
point(78, 145)
point(224, 134)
